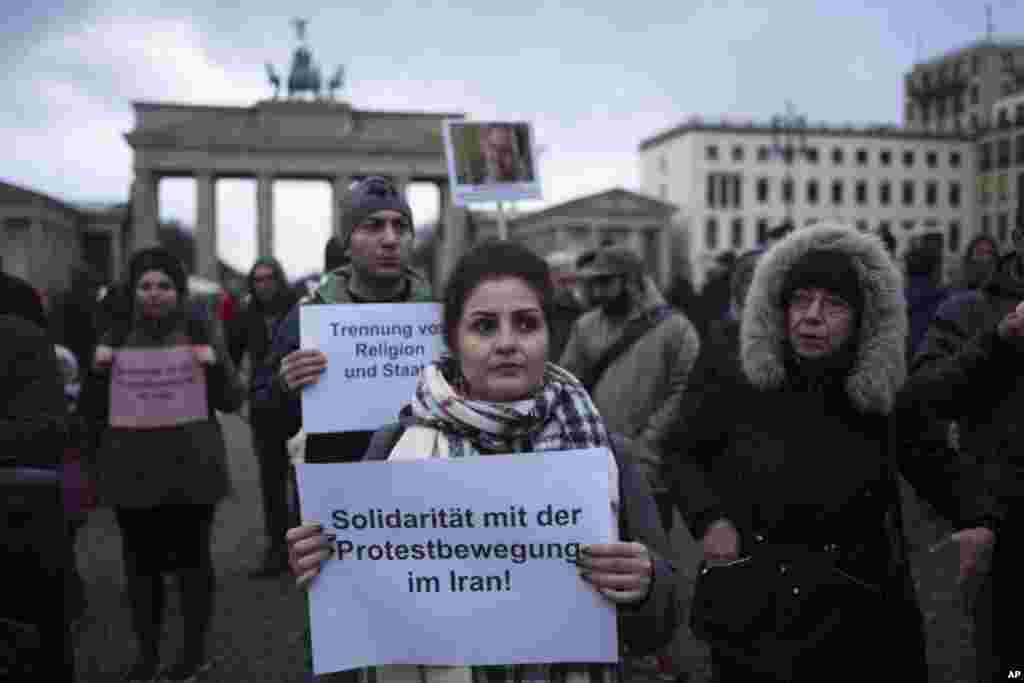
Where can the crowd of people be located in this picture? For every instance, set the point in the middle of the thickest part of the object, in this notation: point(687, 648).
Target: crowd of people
point(775, 412)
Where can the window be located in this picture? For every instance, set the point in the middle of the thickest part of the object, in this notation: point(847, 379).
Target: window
point(737, 233)
point(862, 157)
point(663, 191)
point(811, 154)
point(711, 152)
point(908, 158)
point(954, 159)
point(763, 153)
point(1003, 153)
point(737, 153)
point(787, 190)
point(910, 112)
point(931, 193)
point(907, 225)
point(862, 192)
point(926, 114)
point(954, 194)
point(663, 164)
point(954, 237)
point(975, 65)
point(862, 225)
point(762, 190)
point(762, 231)
point(1003, 186)
point(711, 234)
point(1020, 114)
point(884, 227)
point(1003, 229)
point(837, 192)
point(931, 159)
point(837, 156)
point(984, 189)
point(985, 157)
point(908, 192)
point(886, 157)
point(975, 94)
point(812, 191)
point(986, 228)
point(885, 193)
point(1020, 149)
point(724, 190)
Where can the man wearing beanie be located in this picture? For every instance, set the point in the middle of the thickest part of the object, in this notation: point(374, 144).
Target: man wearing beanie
point(787, 474)
point(376, 235)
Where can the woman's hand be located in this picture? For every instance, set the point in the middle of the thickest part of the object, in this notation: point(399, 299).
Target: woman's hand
point(302, 368)
point(1012, 326)
point(622, 572)
point(975, 551)
point(204, 354)
point(308, 548)
point(721, 542)
point(103, 358)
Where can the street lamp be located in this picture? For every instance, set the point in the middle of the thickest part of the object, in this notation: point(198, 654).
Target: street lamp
point(789, 138)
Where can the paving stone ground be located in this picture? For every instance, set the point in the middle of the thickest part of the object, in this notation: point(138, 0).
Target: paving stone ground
point(259, 625)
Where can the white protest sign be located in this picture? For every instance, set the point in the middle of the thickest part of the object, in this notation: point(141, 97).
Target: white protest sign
point(152, 388)
point(374, 354)
point(460, 562)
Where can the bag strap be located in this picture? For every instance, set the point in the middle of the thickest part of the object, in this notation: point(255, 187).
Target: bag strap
point(634, 331)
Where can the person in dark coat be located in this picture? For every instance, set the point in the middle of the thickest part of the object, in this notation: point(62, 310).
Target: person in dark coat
point(270, 299)
point(970, 369)
point(163, 482)
point(714, 297)
point(35, 642)
point(787, 474)
point(923, 291)
point(979, 262)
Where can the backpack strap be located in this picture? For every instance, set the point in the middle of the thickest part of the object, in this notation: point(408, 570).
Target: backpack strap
point(635, 329)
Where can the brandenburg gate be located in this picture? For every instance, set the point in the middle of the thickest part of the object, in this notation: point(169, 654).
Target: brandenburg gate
point(284, 139)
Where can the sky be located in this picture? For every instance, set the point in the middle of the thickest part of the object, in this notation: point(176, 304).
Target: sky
point(594, 78)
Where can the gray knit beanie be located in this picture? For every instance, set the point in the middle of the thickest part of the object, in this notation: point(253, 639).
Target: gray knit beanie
point(366, 197)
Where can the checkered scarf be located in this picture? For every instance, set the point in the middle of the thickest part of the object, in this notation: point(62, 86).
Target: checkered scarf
point(559, 417)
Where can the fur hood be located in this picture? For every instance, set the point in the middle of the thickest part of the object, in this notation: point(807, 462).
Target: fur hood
point(880, 367)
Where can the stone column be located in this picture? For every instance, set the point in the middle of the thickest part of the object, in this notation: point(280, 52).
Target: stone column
point(265, 216)
point(206, 227)
point(145, 209)
point(452, 244)
point(339, 195)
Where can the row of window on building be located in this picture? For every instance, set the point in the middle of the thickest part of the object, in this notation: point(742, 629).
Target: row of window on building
point(955, 71)
point(725, 191)
point(955, 105)
point(838, 155)
point(954, 233)
point(1000, 153)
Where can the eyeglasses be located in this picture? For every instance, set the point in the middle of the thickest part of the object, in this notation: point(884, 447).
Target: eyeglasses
point(831, 306)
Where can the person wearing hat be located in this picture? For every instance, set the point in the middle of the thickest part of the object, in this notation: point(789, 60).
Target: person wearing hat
point(786, 474)
point(376, 237)
point(163, 483)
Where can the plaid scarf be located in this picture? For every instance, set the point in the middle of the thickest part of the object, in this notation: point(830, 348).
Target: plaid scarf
point(560, 416)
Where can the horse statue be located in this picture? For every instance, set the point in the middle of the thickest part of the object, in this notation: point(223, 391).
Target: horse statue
point(274, 79)
point(337, 81)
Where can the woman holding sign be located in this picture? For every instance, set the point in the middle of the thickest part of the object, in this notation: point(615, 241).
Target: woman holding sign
point(497, 394)
point(159, 452)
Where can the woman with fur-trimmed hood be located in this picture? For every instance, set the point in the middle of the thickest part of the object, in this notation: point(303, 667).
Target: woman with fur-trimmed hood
point(787, 473)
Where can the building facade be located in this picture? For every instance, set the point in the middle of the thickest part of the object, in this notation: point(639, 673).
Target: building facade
point(957, 91)
point(733, 185)
point(1000, 170)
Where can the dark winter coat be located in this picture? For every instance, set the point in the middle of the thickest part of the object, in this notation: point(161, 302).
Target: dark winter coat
point(184, 464)
point(804, 466)
point(650, 625)
point(965, 372)
point(253, 330)
point(333, 289)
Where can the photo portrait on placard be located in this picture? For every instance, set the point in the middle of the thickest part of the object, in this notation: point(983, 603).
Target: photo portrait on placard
point(491, 161)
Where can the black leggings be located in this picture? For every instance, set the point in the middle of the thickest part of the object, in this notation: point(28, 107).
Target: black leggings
point(168, 538)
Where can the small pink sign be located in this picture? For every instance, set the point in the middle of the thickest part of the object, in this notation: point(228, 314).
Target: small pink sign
point(151, 388)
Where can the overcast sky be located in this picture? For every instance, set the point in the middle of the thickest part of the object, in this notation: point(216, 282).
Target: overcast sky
point(594, 77)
